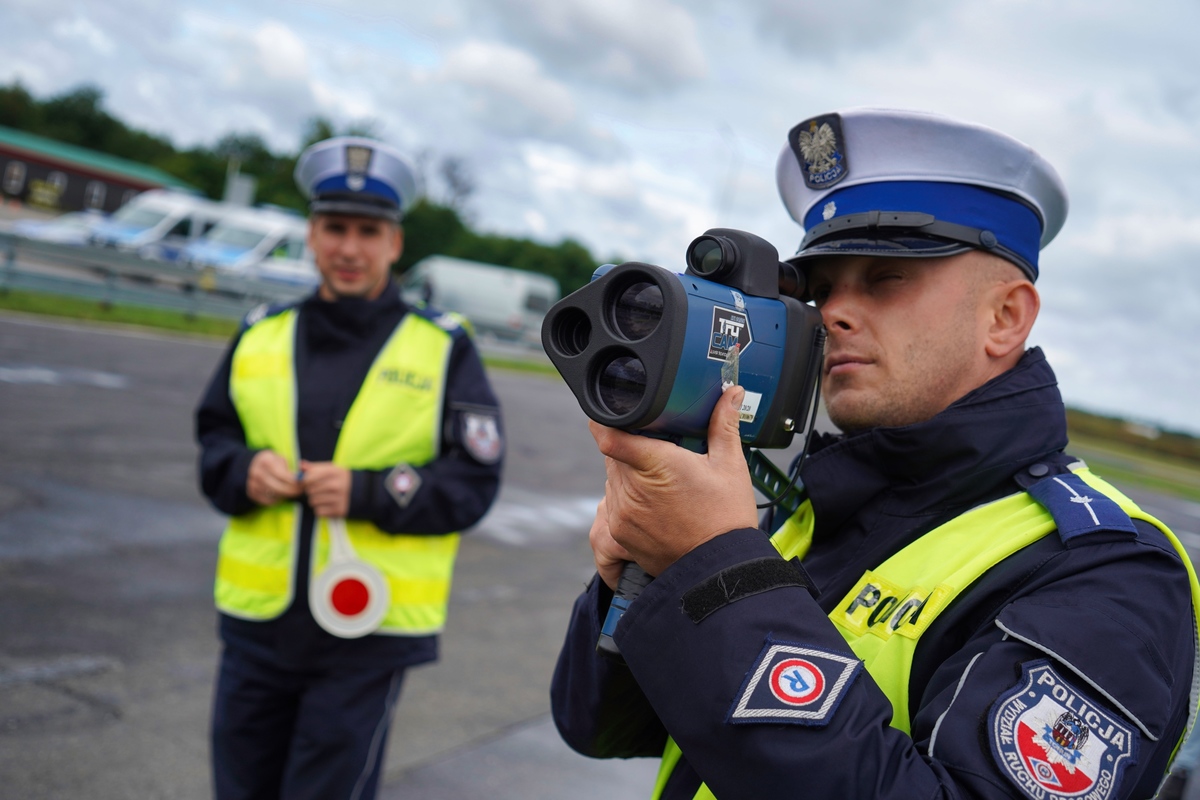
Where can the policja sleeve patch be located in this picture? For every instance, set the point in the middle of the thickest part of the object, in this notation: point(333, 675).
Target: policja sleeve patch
point(480, 436)
point(1054, 742)
point(794, 684)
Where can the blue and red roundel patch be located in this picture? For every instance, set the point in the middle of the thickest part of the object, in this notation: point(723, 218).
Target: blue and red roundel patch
point(1054, 742)
point(793, 683)
point(797, 682)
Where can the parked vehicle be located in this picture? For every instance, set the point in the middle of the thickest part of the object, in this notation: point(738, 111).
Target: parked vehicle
point(159, 223)
point(498, 301)
point(264, 243)
point(74, 227)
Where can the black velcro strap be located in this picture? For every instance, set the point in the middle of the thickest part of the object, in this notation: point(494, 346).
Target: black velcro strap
point(741, 581)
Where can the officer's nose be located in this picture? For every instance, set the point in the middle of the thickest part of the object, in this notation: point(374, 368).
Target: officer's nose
point(839, 311)
point(350, 245)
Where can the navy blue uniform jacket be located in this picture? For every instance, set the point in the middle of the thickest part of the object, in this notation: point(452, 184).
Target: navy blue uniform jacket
point(336, 343)
point(1109, 612)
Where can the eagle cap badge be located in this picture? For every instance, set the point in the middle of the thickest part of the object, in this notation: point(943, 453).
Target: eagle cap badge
point(821, 150)
point(358, 162)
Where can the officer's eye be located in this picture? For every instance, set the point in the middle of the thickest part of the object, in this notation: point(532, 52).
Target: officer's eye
point(887, 276)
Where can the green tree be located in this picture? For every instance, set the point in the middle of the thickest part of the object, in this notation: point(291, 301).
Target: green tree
point(18, 109)
point(429, 229)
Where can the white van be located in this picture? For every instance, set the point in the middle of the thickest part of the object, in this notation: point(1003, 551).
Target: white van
point(502, 302)
point(158, 223)
point(266, 243)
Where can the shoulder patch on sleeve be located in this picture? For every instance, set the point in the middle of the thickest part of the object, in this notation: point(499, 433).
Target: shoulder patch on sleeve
point(795, 684)
point(480, 434)
point(1079, 509)
point(1052, 741)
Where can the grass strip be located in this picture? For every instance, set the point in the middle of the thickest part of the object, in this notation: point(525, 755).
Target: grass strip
point(1124, 465)
point(77, 308)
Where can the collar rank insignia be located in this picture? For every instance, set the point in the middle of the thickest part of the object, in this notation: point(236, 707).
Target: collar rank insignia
point(358, 161)
point(793, 683)
point(1054, 742)
point(821, 150)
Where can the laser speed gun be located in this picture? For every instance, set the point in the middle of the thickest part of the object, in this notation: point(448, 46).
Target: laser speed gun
point(643, 349)
point(648, 350)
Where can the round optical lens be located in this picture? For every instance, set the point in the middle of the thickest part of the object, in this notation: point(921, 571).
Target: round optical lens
point(571, 332)
point(706, 256)
point(637, 310)
point(621, 385)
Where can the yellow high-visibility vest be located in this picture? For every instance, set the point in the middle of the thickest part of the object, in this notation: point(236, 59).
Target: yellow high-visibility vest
point(395, 418)
point(920, 581)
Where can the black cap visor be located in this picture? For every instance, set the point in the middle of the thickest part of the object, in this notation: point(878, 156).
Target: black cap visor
point(901, 235)
point(354, 205)
point(893, 247)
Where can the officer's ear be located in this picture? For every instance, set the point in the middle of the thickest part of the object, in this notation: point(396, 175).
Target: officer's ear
point(1012, 307)
point(399, 240)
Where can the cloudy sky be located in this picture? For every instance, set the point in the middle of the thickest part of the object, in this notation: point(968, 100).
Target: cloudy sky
point(634, 125)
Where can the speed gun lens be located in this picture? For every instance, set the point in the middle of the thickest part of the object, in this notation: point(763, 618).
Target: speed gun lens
point(621, 385)
point(637, 310)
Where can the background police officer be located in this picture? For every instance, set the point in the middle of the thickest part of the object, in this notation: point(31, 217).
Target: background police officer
point(348, 437)
point(976, 615)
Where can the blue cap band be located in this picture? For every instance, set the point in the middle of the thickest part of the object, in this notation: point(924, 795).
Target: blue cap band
point(1015, 225)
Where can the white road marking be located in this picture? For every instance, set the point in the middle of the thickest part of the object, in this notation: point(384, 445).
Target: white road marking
point(57, 670)
point(61, 376)
point(523, 518)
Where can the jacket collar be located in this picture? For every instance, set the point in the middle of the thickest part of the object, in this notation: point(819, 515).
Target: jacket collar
point(961, 457)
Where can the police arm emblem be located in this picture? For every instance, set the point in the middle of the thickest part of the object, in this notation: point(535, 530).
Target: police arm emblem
point(1053, 742)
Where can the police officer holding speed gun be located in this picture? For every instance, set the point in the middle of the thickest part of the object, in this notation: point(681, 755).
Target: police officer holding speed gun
point(348, 437)
point(944, 602)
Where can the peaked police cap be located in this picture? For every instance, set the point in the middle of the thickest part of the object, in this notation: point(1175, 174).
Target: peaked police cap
point(882, 182)
point(357, 176)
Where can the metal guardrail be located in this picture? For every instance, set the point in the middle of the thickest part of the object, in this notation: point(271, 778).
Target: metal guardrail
point(119, 278)
point(116, 278)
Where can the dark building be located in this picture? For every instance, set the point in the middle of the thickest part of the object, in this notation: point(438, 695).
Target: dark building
point(54, 176)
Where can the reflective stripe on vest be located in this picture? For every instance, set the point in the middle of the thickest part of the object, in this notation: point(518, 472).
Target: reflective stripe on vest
point(395, 418)
point(884, 615)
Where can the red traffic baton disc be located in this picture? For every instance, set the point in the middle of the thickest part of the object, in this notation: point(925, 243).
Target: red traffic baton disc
point(350, 597)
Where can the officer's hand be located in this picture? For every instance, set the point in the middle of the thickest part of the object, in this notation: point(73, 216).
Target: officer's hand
point(610, 557)
point(662, 501)
point(269, 479)
point(328, 488)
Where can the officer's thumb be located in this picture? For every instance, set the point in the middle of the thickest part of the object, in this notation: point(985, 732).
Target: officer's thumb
point(724, 432)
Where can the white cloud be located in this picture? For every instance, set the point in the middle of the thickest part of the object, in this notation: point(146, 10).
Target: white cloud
point(281, 53)
point(81, 29)
point(641, 46)
point(507, 75)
